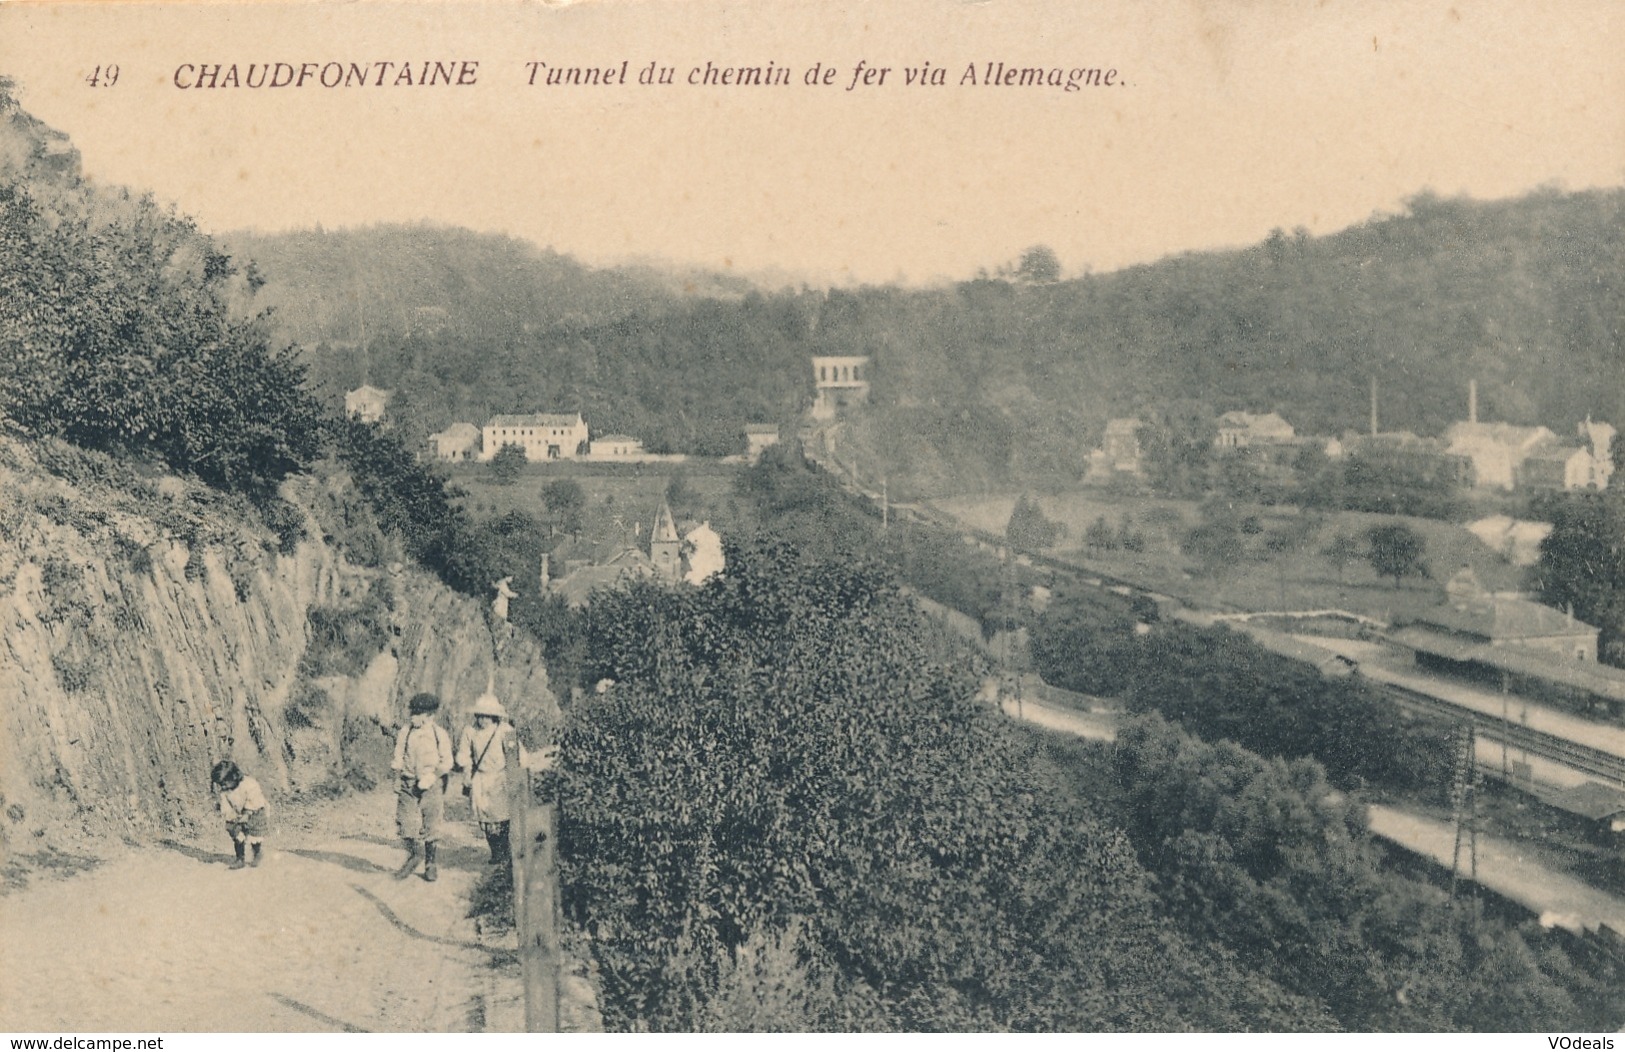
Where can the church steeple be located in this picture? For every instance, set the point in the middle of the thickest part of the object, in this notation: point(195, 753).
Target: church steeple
point(665, 546)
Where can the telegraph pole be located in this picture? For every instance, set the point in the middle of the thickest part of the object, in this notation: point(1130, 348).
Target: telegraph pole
point(1464, 805)
point(1506, 727)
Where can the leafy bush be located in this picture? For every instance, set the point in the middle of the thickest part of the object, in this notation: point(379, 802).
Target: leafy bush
point(410, 500)
point(507, 464)
point(779, 770)
point(308, 706)
point(1266, 858)
point(344, 640)
point(1222, 685)
point(286, 521)
point(116, 333)
point(74, 674)
point(1029, 528)
point(365, 747)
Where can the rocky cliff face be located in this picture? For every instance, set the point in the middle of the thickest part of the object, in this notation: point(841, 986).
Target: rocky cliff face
point(149, 627)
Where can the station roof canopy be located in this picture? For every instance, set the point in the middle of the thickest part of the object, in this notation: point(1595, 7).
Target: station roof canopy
point(1598, 680)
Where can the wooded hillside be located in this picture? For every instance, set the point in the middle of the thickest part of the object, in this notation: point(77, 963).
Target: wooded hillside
point(1004, 379)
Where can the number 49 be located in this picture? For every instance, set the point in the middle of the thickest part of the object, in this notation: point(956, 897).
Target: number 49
point(103, 77)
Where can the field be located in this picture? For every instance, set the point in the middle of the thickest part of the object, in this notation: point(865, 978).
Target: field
point(628, 492)
point(1299, 579)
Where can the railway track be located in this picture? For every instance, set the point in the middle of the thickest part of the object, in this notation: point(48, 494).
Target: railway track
point(1571, 754)
point(1584, 758)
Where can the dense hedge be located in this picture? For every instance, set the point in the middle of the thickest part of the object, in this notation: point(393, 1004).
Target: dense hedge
point(1266, 858)
point(781, 774)
point(1222, 685)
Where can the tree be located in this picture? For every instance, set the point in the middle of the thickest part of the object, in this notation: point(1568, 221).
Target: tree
point(120, 329)
point(679, 494)
point(1342, 550)
point(1582, 563)
point(1176, 446)
point(781, 760)
point(1395, 550)
point(1099, 535)
point(1217, 543)
point(1267, 857)
point(508, 463)
point(1281, 544)
point(1029, 528)
point(565, 500)
point(1039, 265)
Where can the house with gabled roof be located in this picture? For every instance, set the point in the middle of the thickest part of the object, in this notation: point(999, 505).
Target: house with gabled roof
point(1239, 430)
point(367, 403)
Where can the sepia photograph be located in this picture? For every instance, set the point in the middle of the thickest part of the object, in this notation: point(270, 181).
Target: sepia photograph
point(739, 516)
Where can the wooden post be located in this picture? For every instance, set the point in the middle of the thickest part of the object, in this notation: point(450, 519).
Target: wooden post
point(532, 828)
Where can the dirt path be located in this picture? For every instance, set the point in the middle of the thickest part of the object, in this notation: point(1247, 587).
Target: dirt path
point(320, 937)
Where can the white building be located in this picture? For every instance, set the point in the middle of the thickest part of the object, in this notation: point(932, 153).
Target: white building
point(1555, 467)
point(1238, 430)
point(838, 383)
point(759, 437)
point(458, 442)
point(543, 436)
point(366, 403)
point(1498, 451)
point(1598, 438)
point(615, 446)
point(703, 547)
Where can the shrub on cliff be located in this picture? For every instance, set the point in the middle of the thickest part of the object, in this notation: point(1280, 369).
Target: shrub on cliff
point(117, 332)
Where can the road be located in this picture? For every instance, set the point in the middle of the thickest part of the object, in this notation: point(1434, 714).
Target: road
point(1558, 900)
point(322, 937)
point(1093, 725)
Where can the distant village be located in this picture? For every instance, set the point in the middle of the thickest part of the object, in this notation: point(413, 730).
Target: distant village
point(1484, 456)
point(1471, 454)
point(540, 436)
point(839, 383)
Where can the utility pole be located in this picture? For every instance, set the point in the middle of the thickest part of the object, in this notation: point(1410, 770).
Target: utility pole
point(1506, 727)
point(1464, 805)
point(1009, 672)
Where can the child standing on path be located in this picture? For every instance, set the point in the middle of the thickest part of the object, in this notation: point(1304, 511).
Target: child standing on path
point(423, 760)
point(485, 776)
point(242, 804)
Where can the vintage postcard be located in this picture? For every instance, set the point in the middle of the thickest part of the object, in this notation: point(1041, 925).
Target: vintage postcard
point(774, 515)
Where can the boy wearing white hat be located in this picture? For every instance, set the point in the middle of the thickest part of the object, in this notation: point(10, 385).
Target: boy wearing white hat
point(485, 777)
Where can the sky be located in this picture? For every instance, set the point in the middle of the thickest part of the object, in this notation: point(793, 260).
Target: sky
point(1224, 119)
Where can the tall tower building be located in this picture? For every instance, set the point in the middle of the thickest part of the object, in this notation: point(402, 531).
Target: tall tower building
point(665, 546)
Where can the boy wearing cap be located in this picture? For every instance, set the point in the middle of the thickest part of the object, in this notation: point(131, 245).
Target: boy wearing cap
point(423, 759)
point(485, 777)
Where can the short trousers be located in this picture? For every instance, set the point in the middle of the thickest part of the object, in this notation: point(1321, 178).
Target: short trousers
point(249, 823)
point(418, 812)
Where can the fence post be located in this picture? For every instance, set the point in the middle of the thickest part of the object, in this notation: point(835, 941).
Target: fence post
point(532, 829)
